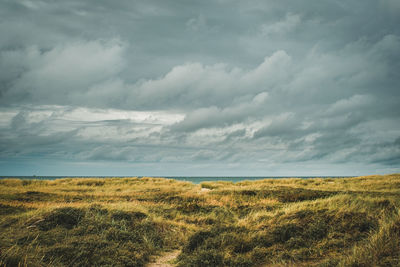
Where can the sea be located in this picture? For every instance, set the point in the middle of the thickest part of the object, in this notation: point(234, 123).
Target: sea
point(193, 179)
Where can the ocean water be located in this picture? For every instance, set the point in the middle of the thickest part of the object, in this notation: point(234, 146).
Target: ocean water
point(193, 179)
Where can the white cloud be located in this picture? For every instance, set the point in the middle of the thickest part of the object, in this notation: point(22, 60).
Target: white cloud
point(222, 117)
point(286, 25)
point(96, 125)
point(194, 85)
point(145, 117)
point(64, 73)
point(355, 102)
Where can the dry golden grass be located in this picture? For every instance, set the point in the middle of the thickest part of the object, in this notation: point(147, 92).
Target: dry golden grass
point(272, 222)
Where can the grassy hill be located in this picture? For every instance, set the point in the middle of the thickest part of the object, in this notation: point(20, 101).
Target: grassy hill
point(272, 222)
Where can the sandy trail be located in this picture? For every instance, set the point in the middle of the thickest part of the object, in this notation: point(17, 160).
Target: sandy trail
point(163, 259)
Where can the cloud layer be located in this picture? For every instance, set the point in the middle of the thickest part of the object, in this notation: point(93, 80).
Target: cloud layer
point(212, 88)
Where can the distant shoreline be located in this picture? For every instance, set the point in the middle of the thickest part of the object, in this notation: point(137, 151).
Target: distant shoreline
point(193, 179)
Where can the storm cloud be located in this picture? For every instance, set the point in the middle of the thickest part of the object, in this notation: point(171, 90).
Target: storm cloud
point(199, 88)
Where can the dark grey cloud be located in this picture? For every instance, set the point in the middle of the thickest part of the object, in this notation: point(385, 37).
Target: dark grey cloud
point(266, 87)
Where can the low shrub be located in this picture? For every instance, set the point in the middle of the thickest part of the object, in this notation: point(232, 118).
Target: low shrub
point(91, 183)
point(65, 217)
point(33, 196)
point(197, 240)
point(203, 258)
point(7, 209)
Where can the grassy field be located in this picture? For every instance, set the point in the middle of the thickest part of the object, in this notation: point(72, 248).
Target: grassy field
point(273, 222)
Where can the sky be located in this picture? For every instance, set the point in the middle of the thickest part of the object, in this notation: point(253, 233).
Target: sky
point(199, 88)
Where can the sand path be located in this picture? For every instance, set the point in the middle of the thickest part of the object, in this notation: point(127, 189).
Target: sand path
point(164, 259)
